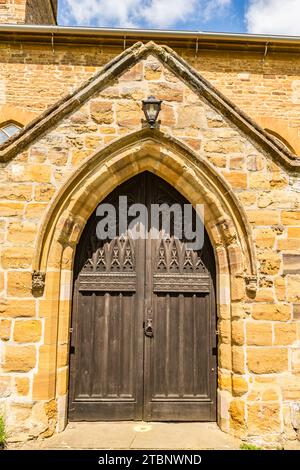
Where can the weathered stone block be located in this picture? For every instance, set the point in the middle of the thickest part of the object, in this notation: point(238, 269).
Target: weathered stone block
point(264, 295)
point(267, 360)
point(132, 91)
point(128, 114)
point(27, 331)
point(259, 333)
point(288, 244)
point(259, 180)
point(21, 233)
point(296, 311)
point(79, 156)
point(153, 70)
point(79, 118)
point(237, 415)
point(134, 73)
point(22, 385)
point(58, 156)
point(239, 385)
point(195, 144)
point(5, 327)
point(37, 173)
point(278, 180)
point(255, 163)
point(290, 387)
point(290, 217)
point(269, 262)
point(224, 330)
point(166, 91)
point(17, 308)
point(263, 418)
point(62, 381)
point(296, 360)
point(280, 288)
point(291, 262)
point(19, 283)
point(264, 238)
point(16, 257)
point(5, 386)
point(294, 232)
point(191, 116)
point(225, 356)
point(167, 115)
point(237, 332)
point(237, 179)
point(263, 217)
point(44, 192)
point(224, 146)
point(285, 333)
point(236, 163)
point(239, 311)
point(16, 191)
point(238, 360)
point(11, 209)
point(293, 288)
point(238, 287)
point(102, 112)
point(217, 160)
point(19, 358)
point(224, 381)
point(62, 355)
point(35, 210)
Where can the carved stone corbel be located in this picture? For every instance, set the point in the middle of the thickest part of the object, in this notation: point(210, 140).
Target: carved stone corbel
point(38, 282)
point(251, 283)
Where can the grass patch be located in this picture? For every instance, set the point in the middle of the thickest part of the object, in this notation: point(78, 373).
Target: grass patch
point(246, 446)
point(2, 433)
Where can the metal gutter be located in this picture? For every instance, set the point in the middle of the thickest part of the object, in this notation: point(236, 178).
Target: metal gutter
point(128, 32)
point(127, 36)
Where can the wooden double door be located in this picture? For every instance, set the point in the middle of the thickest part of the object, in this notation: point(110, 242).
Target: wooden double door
point(143, 344)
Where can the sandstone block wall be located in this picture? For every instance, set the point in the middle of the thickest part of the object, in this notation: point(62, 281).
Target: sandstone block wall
point(28, 11)
point(34, 77)
point(259, 340)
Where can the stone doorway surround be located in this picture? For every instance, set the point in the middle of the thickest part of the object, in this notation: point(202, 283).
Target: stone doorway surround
point(224, 221)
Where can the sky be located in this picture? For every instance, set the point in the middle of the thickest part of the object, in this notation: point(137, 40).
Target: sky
point(242, 16)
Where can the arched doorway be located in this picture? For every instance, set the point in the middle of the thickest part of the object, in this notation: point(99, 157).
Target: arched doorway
point(143, 342)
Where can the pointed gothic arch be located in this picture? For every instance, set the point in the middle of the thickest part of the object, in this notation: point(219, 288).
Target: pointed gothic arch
point(189, 174)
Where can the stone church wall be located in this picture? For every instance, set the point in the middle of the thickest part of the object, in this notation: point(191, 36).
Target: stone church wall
point(34, 77)
point(259, 336)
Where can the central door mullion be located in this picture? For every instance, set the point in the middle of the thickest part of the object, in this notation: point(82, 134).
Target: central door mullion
point(148, 310)
point(140, 300)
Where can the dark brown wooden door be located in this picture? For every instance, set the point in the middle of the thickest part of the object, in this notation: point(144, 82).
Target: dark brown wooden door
point(143, 339)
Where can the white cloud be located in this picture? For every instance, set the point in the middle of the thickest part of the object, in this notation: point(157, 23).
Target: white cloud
point(137, 13)
point(273, 17)
point(214, 6)
point(101, 12)
point(165, 13)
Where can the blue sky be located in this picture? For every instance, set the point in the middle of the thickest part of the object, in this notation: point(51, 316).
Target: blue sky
point(251, 16)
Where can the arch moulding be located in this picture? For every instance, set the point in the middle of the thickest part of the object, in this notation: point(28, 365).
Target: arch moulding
point(197, 181)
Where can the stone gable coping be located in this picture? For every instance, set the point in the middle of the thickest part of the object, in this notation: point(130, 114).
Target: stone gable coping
point(113, 69)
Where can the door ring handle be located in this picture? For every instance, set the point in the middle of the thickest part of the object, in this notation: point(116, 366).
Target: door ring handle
point(148, 329)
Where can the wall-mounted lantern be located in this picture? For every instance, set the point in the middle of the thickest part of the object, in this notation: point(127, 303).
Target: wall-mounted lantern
point(151, 108)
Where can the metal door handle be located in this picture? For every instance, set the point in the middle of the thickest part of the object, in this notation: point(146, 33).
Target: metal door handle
point(148, 327)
